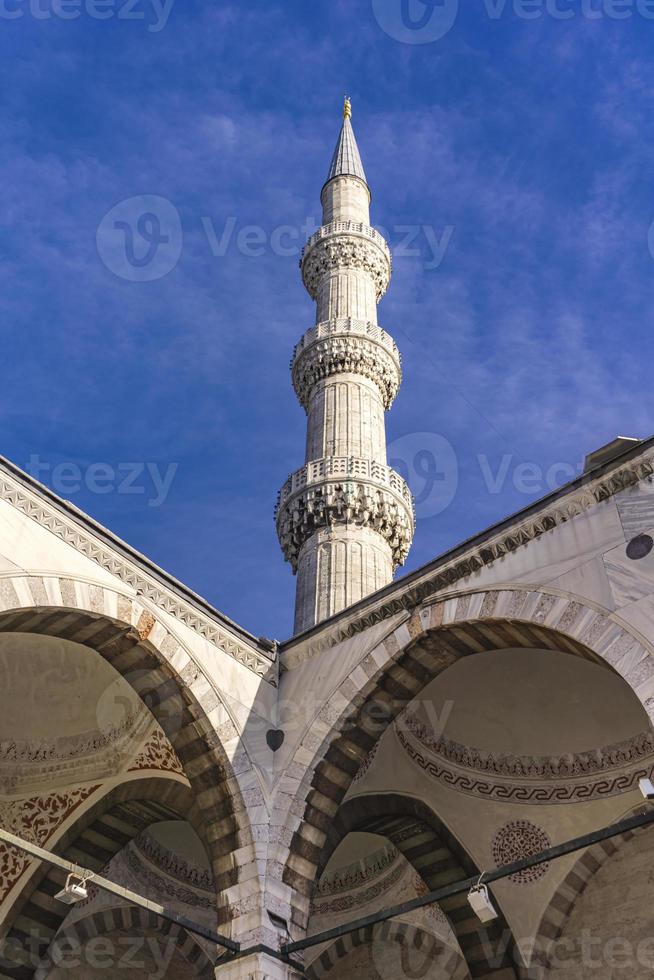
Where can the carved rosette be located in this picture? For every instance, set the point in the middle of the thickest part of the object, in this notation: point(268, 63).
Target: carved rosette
point(354, 492)
point(332, 249)
point(346, 346)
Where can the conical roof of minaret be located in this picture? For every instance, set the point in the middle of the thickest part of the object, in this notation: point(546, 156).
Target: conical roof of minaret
point(347, 159)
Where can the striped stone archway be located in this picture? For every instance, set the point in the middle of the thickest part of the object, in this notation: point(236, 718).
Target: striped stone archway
point(438, 962)
point(433, 636)
point(440, 859)
point(562, 903)
point(135, 921)
point(100, 831)
point(131, 638)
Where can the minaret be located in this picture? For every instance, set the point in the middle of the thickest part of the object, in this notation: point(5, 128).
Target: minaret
point(345, 520)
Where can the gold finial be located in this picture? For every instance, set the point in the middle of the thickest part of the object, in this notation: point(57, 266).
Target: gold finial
point(347, 108)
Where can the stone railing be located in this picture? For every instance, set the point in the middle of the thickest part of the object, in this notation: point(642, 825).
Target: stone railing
point(346, 325)
point(345, 468)
point(370, 354)
point(345, 491)
point(349, 228)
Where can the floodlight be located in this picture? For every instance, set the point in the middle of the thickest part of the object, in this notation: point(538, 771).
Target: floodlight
point(481, 904)
point(74, 890)
point(647, 788)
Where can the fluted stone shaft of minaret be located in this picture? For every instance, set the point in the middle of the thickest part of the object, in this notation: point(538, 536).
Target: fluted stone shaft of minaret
point(345, 520)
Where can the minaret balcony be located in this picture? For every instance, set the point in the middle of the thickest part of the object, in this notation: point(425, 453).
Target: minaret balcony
point(346, 345)
point(350, 228)
point(347, 491)
point(346, 246)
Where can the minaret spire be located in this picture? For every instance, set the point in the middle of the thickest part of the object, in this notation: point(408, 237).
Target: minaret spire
point(347, 159)
point(345, 520)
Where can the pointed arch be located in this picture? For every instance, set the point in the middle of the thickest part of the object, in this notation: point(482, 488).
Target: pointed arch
point(129, 635)
point(388, 677)
point(136, 921)
point(440, 859)
point(563, 901)
point(439, 962)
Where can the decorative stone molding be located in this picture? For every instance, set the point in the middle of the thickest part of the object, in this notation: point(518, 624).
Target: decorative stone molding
point(46, 516)
point(344, 352)
point(358, 897)
point(517, 840)
point(174, 865)
point(67, 747)
point(35, 820)
point(366, 495)
point(346, 468)
point(69, 759)
point(350, 326)
point(616, 768)
point(167, 884)
point(528, 792)
point(568, 766)
point(367, 762)
point(358, 873)
point(346, 227)
point(157, 754)
point(340, 251)
point(447, 574)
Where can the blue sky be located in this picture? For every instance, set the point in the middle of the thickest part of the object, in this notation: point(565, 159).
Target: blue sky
point(523, 144)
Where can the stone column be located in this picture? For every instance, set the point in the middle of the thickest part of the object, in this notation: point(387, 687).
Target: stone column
point(259, 966)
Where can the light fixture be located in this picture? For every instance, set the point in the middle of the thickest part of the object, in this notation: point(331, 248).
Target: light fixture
point(74, 890)
point(480, 902)
point(647, 788)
